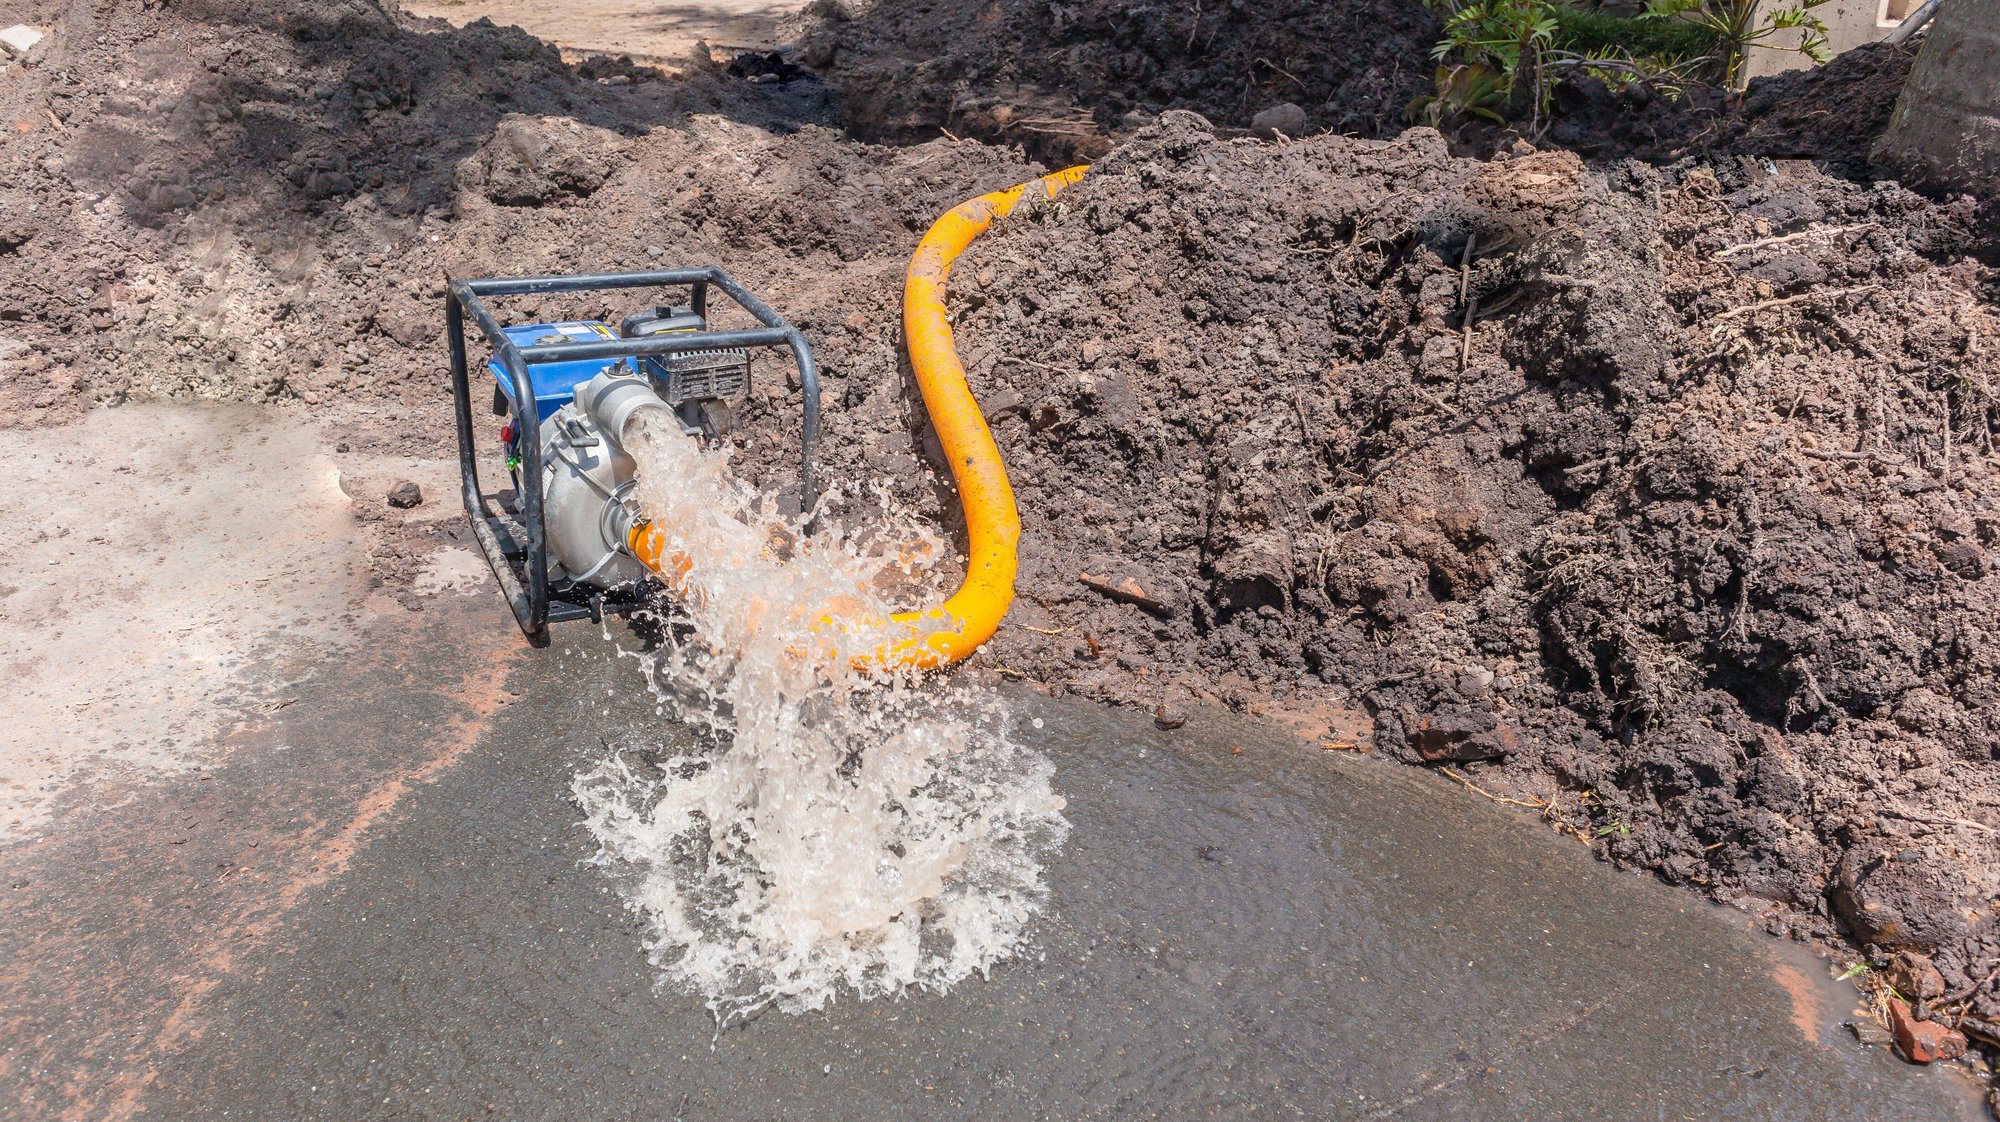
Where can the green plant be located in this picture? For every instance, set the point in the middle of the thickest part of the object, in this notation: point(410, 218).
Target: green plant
point(1594, 32)
point(1507, 38)
point(1618, 827)
point(1461, 91)
point(1498, 56)
point(1736, 27)
point(1854, 971)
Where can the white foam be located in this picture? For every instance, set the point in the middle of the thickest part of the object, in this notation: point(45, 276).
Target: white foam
point(823, 830)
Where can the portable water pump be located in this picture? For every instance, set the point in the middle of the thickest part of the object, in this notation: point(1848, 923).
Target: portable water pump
point(567, 390)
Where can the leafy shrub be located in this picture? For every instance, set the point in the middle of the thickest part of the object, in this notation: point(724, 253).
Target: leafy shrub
point(1736, 26)
point(1596, 32)
point(1501, 57)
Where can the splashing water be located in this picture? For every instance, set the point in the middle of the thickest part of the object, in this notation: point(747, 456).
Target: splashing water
point(829, 829)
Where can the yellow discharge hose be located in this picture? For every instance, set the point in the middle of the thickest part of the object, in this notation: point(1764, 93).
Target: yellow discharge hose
point(992, 523)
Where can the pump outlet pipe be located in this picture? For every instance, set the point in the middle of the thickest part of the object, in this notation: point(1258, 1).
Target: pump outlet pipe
point(953, 630)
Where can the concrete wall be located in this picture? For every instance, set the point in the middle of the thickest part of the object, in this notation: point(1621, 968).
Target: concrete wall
point(1946, 131)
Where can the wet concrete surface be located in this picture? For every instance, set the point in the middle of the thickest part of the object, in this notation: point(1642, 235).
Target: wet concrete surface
point(378, 910)
point(189, 598)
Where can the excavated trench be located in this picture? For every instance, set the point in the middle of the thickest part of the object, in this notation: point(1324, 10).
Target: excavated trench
point(1659, 497)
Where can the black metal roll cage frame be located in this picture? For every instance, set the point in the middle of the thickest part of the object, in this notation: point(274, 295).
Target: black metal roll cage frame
point(522, 569)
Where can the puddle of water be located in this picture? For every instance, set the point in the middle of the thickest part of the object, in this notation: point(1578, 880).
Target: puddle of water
point(1381, 944)
point(1285, 933)
point(812, 829)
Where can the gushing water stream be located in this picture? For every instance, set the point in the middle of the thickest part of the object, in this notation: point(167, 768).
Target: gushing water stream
point(829, 829)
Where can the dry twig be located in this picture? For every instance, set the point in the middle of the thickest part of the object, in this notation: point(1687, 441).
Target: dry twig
point(1802, 235)
point(1803, 297)
point(1834, 454)
point(1484, 793)
point(1465, 298)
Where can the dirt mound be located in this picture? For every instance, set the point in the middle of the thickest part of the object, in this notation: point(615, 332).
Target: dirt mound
point(257, 200)
point(185, 182)
point(1690, 539)
point(1068, 78)
point(1832, 112)
point(1056, 75)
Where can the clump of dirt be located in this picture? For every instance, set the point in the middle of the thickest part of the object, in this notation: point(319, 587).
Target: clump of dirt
point(1689, 539)
point(1058, 75)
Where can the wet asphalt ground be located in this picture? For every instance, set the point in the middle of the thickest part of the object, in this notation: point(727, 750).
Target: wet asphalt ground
point(377, 909)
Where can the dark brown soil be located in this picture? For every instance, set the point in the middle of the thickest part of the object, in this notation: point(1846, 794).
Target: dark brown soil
point(1691, 541)
point(256, 199)
point(1831, 113)
point(1060, 76)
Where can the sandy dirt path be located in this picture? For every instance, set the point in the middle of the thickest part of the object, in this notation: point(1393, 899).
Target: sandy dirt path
point(644, 29)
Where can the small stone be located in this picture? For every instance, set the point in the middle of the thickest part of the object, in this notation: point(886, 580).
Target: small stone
point(1872, 1033)
point(1474, 682)
point(341, 447)
point(1004, 403)
point(1169, 717)
point(1283, 119)
point(405, 495)
point(1922, 1042)
point(818, 52)
point(1916, 975)
point(1964, 558)
point(20, 39)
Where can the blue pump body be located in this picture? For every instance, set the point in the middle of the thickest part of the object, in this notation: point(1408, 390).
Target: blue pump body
point(554, 382)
